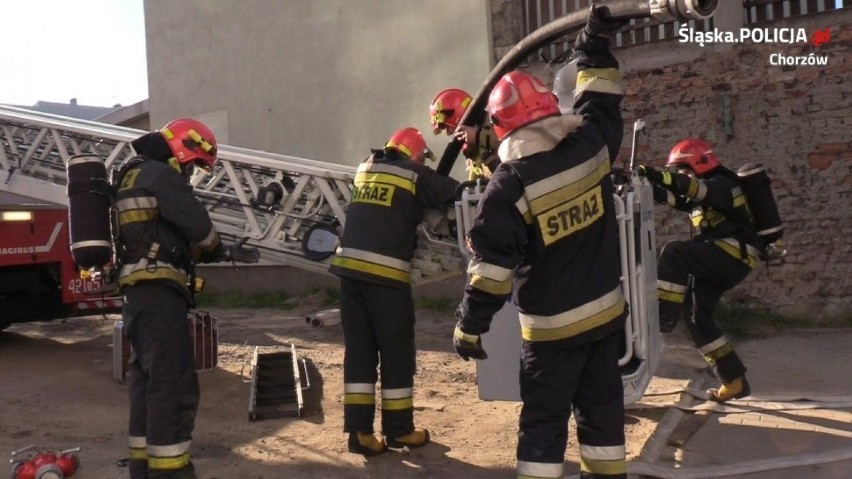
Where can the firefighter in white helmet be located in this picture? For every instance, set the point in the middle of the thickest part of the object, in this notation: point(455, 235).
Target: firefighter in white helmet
point(546, 232)
point(392, 188)
point(717, 259)
point(163, 230)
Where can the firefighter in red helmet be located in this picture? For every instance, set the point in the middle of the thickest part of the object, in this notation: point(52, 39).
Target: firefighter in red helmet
point(392, 188)
point(697, 272)
point(163, 230)
point(546, 232)
point(480, 142)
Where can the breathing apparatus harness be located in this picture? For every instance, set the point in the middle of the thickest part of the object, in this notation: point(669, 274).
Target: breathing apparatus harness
point(131, 250)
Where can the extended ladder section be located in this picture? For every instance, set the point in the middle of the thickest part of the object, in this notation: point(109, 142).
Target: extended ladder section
point(291, 208)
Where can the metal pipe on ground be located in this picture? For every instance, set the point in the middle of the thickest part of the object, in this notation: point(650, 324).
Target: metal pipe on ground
point(321, 319)
point(683, 10)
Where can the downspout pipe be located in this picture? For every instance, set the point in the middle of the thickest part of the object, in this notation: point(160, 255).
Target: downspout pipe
point(665, 10)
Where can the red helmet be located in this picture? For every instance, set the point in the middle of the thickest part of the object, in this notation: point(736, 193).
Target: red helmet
point(519, 99)
point(191, 142)
point(694, 153)
point(447, 109)
point(410, 142)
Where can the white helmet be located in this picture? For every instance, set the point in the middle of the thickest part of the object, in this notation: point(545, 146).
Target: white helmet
point(563, 86)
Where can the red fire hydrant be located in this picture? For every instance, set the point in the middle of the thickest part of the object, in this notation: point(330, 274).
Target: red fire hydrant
point(45, 465)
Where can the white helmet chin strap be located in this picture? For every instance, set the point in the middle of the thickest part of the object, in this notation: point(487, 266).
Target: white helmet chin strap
point(563, 86)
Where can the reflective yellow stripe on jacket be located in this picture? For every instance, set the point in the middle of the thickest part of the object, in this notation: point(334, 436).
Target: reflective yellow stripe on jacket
point(601, 80)
point(575, 321)
point(565, 203)
point(375, 182)
point(373, 263)
point(489, 277)
point(144, 270)
point(136, 209)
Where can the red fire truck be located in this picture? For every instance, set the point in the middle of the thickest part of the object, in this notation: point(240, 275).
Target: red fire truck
point(38, 278)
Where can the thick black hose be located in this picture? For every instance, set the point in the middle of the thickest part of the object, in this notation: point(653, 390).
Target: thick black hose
point(619, 10)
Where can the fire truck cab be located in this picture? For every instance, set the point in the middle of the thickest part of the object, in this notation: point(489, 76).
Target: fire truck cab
point(38, 278)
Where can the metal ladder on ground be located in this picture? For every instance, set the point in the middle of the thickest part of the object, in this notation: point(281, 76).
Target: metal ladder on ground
point(308, 197)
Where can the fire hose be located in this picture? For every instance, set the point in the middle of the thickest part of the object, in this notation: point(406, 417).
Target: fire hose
point(683, 10)
point(646, 466)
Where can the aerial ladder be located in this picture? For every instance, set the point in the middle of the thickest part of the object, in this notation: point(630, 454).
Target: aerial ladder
point(290, 208)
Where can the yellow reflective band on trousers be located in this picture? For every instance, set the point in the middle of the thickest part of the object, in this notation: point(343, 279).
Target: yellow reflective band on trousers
point(750, 260)
point(397, 399)
point(717, 349)
point(175, 462)
point(372, 268)
point(603, 460)
point(671, 297)
point(397, 404)
point(359, 398)
point(539, 470)
point(597, 466)
point(138, 453)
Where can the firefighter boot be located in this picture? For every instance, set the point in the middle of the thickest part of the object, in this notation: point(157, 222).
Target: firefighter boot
point(416, 438)
point(736, 389)
point(366, 443)
point(669, 315)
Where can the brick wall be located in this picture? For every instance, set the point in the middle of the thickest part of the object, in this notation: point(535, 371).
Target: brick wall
point(797, 120)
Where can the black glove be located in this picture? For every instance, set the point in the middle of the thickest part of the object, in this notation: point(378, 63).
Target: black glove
point(468, 345)
point(601, 23)
point(591, 49)
point(654, 176)
point(238, 253)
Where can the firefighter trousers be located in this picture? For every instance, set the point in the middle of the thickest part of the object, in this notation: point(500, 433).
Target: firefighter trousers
point(713, 272)
point(378, 332)
point(162, 381)
point(554, 379)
